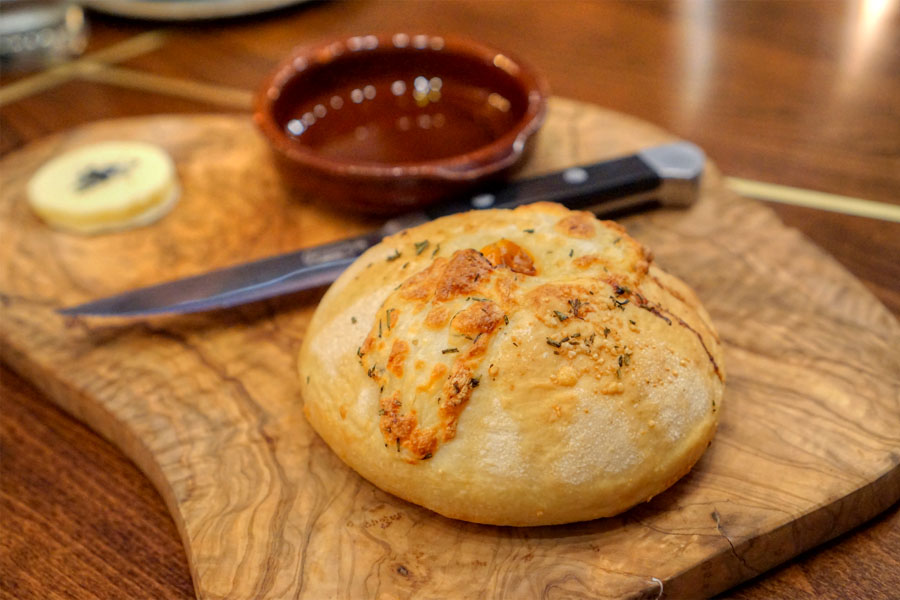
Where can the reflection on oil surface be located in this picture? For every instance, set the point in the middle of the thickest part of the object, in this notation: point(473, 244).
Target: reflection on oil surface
point(398, 105)
point(397, 120)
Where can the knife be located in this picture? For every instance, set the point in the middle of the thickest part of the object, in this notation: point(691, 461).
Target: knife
point(668, 174)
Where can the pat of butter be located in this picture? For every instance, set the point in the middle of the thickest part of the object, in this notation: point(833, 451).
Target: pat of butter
point(102, 187)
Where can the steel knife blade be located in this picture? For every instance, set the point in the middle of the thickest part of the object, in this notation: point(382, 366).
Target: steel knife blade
point(668, 174)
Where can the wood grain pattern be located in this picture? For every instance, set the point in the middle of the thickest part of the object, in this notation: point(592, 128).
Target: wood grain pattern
point(208, 407)
point(55, 503)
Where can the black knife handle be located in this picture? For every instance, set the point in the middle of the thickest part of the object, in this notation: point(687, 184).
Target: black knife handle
point(578, 188)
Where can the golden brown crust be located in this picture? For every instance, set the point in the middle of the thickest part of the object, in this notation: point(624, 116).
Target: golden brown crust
point(466, 277)
point(479, 318)
point(399, 352)
point(504, 253)
point(579, 224)
point(555, 375)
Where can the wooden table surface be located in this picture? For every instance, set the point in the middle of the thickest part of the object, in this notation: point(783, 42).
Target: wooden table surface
point(797, 93)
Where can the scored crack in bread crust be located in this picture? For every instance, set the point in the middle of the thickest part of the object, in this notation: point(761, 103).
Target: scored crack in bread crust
point(523, 367)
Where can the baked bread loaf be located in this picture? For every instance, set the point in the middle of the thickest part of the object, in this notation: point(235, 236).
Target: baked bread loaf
point(524, 367)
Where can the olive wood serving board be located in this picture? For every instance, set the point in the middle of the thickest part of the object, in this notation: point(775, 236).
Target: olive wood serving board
point(208, 405)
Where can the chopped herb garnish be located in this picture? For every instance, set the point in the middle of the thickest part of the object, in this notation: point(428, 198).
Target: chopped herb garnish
point(621, 289)
point(406, 264)
point(307, 379)
point(528, 230)
point(575, 335)
point(606, 332)
point(359, 352)
point(619, 373)
point(627, 358)
point(353, 320)
point(632, 321)
point(476, 299)
point(560, 316)
point(421, 246)
point(394, 256)
point(436, 250)
point(381, 412)
point(506, 319)
point(371, 371)
point(564, 340)
point(474, 382)
point(449, 350)
point(617, 240)
point(379, 327)
point(591, 339)
point(387, 317)
point(426, 457)
point(621, 360)
point(553, 343)
point(576, 305)
point(620, 304)
point(571, 252)
point(95, 175)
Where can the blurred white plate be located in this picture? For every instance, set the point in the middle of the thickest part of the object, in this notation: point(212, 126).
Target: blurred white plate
point(185, 10)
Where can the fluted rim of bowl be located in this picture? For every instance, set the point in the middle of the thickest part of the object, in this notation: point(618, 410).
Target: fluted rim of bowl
point(493, 157)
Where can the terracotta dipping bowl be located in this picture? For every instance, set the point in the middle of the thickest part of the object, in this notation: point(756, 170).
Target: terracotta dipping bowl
point(386, 124)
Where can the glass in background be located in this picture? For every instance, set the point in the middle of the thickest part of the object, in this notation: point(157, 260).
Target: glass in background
point(38, 33)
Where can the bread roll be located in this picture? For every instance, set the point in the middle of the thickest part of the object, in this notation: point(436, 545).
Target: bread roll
point(524, 367)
